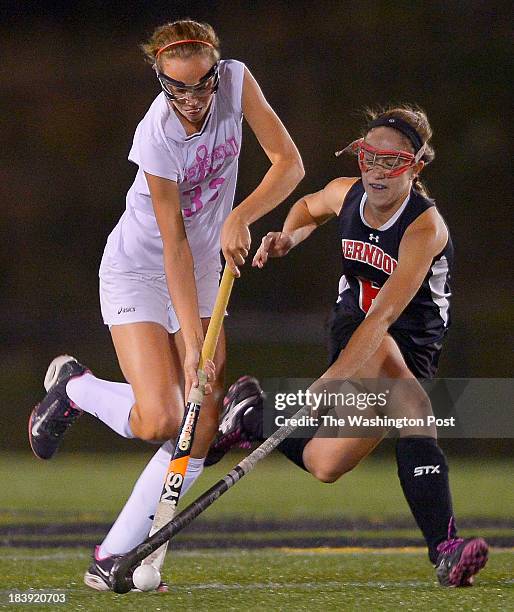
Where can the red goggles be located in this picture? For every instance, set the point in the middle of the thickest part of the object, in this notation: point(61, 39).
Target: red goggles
point(394, 162)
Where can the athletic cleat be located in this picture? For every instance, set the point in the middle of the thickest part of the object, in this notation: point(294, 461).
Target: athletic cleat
point(460, 560)
point(56, 412)
point(97, 576)
point(241, 421)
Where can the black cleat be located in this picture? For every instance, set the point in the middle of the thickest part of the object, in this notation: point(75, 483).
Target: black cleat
point(97, 576)
point(241, 421)
point(56, 412)
point(460, 560)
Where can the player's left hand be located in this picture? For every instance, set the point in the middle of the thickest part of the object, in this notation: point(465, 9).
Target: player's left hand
point(235, 241)
point(274, 244)
point(190, 372)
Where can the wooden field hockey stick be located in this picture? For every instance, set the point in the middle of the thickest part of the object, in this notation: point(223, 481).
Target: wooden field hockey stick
point(179, 461)
point(119, 571)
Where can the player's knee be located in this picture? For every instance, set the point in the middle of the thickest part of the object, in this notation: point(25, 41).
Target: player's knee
point(327, 473)
point(156, 424)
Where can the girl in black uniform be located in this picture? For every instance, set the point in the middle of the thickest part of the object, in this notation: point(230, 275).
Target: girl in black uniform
point(389, 321)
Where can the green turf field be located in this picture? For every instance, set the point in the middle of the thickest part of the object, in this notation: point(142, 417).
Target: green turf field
point(233, 579)
point(93, 487)
point(278, 540)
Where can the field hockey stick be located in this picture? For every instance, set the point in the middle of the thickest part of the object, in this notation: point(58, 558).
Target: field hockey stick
point(179, 461)
point(121, 567)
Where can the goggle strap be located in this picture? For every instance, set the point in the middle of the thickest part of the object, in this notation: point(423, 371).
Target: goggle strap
point(420, 153)
point(353, 147)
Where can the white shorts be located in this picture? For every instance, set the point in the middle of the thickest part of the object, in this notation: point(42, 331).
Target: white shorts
point(131, 297)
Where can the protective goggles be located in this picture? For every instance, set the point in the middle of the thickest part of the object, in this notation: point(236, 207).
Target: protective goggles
point(393, 162)
point(180, 92)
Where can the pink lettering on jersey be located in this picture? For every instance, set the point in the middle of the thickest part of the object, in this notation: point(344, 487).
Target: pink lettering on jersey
point(197, 199)
point(207, 163)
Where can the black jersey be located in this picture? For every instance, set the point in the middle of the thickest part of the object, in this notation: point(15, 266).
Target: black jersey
point(370, 255)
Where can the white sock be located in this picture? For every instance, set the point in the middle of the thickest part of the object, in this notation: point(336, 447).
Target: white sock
point(133, 523)
point(111, 402)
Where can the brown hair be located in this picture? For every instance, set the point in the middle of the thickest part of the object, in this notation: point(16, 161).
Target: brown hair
point(185, 29)
point(415, 117)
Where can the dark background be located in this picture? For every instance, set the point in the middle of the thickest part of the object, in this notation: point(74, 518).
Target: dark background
point(74, 86)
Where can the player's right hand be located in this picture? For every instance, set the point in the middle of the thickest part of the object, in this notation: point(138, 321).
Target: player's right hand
point(274, 244)
point(235, 241)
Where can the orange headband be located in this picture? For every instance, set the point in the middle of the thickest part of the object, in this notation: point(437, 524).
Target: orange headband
point(182, 42)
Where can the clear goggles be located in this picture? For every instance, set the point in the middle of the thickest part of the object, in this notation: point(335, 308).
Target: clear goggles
point(392, 161)
point(180, 92)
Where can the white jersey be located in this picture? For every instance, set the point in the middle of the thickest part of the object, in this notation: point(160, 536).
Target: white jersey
point(204, 165)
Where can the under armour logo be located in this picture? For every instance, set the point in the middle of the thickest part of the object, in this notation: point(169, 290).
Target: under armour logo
point(373, 237)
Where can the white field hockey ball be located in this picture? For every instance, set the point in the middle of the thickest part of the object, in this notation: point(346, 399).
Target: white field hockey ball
point(146, 578)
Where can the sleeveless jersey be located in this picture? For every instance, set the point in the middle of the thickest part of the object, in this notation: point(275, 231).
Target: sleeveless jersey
point(370, 255)
point(204, 165)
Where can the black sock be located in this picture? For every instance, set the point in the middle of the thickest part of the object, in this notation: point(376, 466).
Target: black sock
point(423, 473)
point(292, 448)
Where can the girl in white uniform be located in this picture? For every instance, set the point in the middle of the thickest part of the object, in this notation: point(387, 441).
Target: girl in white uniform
point(160, 270)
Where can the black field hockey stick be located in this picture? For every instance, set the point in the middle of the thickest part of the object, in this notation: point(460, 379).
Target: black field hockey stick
point(179, 461)
point(120, 569)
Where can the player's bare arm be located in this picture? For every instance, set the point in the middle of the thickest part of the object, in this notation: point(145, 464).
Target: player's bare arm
point(305, 216)
point(283, 176)
point(423, 240)
point(178, 266)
